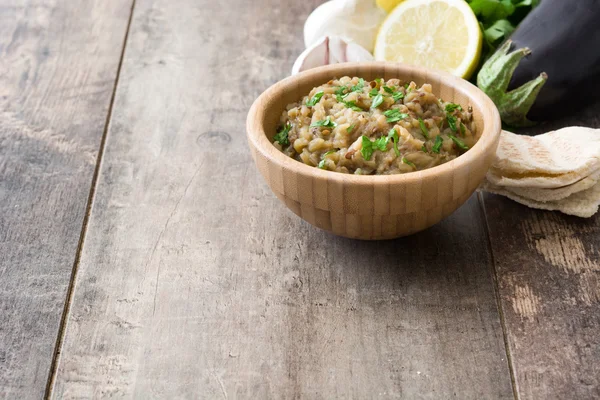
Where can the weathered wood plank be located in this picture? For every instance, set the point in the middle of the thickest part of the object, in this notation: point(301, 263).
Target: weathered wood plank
point(196, 282)
point(58, 62)
point(548, 272)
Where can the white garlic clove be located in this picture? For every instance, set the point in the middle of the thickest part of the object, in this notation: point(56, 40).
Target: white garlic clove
point(330, 50)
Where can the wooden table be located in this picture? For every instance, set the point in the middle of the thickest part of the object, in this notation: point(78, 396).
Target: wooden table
point(138, 261)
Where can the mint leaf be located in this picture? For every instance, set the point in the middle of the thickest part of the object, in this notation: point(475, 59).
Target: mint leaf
point(282, 136)
point(315, 99)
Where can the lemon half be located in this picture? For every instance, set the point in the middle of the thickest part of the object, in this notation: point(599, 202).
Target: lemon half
point(439, 34)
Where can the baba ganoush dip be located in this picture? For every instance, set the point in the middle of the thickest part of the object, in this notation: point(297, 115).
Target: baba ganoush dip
point(354, 126)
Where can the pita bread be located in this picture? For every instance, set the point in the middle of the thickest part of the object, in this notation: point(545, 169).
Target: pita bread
point(540, 194)
point(552, 160)
point(581, 204)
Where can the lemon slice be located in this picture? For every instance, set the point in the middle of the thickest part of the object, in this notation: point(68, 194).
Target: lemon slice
point(388, 5)
point(439, 34)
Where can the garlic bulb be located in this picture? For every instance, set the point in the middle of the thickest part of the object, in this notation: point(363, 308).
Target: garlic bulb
point(354, 20)
point(330, 50)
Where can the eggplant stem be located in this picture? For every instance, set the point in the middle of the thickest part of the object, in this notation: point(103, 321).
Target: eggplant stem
point(494, 78)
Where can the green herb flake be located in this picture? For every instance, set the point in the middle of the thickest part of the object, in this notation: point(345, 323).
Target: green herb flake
point(463, 129)
point(325, 123)
point(381, 143)
point(437, 145)
point(388, 89)
point(398, 96)
point(405, 161)
point(350, 128)
point(393, 136)
point(282, 136)
point(459, 142)
point(374, 92)
point(359, 86)
point(349, 104)
point(378, 81)
point(367, 148)
point(451, 107)
point(424, 129)
point(322, 164)
point(377, 101)
point(424, 149)
point(315, 99)
point(451, 122)
point(394, 115)
point(341, 90)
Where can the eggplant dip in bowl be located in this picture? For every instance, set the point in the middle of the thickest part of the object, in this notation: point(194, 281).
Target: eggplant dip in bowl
point(375, 127)
point(354, 183)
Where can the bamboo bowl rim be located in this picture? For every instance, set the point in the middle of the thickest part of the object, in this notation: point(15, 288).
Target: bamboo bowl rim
point(258, 112)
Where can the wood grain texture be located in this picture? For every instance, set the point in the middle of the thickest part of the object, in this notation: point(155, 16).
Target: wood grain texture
point(548, 273)
point(58, 62)
point(372, 207)
point(196, 282)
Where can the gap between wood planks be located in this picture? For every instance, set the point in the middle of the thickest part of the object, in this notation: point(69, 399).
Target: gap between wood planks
point(69, 296)
point(509, 360)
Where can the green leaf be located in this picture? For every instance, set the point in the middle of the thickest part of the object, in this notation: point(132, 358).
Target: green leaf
point(388, 89)
point(451, 122)
point(500, 29)
point(377, 101)
point(350, 128)
point(437, 145)
point(326, 123)
point(341, 90)
point(424, 149)
point(492, 10)
point(405, 161)
point(394, 115)
point(451, 107)
point(398, 96)
point(378, 81)
point(393, 136)
point(349, 104)
point(315, 99)
point(424, 129)
point(459, 142)
point(381, 143)
point(374, 92)
point(359, 86)
point(282, 136)
point(367, 148)
point(322, 162)
point(463, 129)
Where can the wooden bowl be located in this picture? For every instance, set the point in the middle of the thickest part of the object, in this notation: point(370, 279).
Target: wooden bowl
point(372, 207)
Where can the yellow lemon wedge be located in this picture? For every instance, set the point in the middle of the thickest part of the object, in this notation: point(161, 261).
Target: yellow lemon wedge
point(439, 34)
point(388, 5)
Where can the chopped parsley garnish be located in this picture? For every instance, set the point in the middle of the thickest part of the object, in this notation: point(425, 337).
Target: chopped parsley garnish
point(451, 122)
point(388, 89)
point(463, 128)
point(459, 142)
point(424, 129)
point(394, 115)
point(322, 162)
point(350, 128)
point(341, 90)
point(359, 86)
point(315, 99)
point(393, 136)
point(369, 147)
point(424, 149)
point(282, 137)
point(377, 101)
point(437, 144)
point(398, 96)
point(349, 104)
point(374, 92)
point(405, 161)
point(451, 107)
point(325, 123)
point(378, 81)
